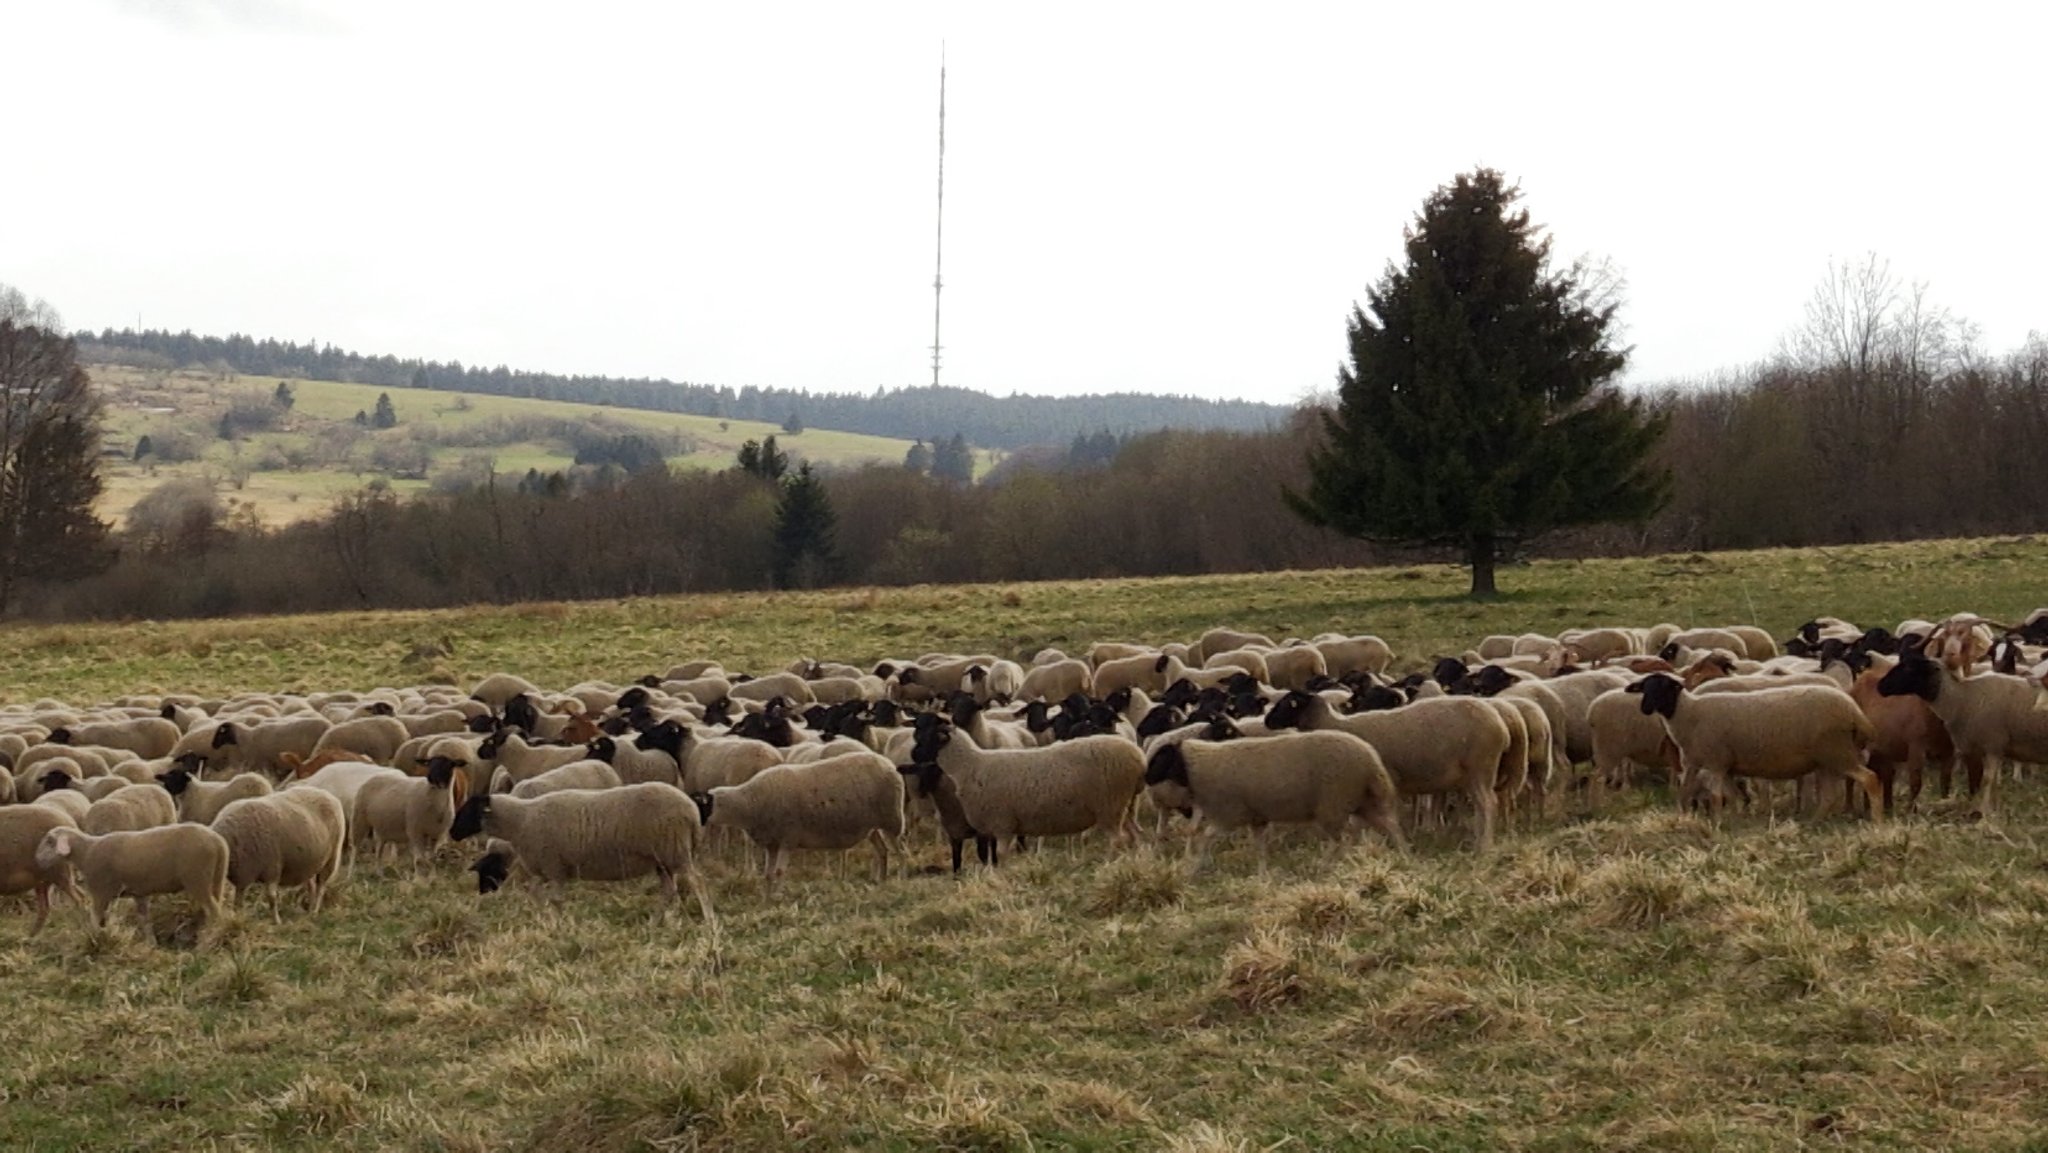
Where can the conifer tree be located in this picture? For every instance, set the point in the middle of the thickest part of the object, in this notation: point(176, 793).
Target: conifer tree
point(806, 554)
point(1479, 408)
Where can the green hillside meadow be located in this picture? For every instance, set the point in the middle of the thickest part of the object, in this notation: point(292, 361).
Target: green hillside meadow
point(1629, 978)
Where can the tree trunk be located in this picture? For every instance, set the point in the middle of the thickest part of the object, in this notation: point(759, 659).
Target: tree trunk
point(1482, 568)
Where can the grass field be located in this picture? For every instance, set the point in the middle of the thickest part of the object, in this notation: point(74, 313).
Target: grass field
point(136, 401)
point(1628, 979)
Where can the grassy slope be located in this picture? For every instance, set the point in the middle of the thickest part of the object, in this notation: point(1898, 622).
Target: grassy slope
point(1638, 980)
point(280, 497)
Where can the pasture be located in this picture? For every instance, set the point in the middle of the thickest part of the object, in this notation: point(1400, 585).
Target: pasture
point(1631, 978)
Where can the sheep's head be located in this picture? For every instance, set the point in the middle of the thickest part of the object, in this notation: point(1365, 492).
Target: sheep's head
point(1492, 680)
point(1286, 713)
point(58, 736)
point(1660, 693)
point(1168, 766)
point(493, 744)
point(1159, 666)
point(1220, 729)
point(933, 733)
point(382, 709)
point(520, 713)
point(1448, 671)
point(1370, 699)
point(908, 675)
point(491, 869)
point(602, 749)
point(1878, 640)
point(441, 771)
point(1809, 632)
point(1672, 651)
point(962, 708)
point(1913, 676)
point(923, 776)
point(56, 779)
point(887, 714)
point(719, 712)
point(1162, 719)
point(1119, 700)
point(481, 723)
point(54, 848)
point(469, 819)
point(1322, 681)
point(225, 735)
point(1037, 717)
point(1180, 693)
point(176, 781)
point(169, 712)
point(1712, 667)
point(705, 802)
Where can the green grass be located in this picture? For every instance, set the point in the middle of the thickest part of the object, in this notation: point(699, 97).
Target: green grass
point(283, 496)
point(1633, 979)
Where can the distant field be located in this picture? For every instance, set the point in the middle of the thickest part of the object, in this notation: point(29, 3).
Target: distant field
point(1628, 979)
point(196, 400)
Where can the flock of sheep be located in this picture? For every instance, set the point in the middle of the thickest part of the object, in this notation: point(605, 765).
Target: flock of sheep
point(142, 797)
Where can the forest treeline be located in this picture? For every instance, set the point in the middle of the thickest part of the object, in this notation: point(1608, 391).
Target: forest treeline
point(1789, 453)
point(910, 413)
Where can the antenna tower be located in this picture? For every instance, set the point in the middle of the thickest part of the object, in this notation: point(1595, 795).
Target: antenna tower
point(939, 249)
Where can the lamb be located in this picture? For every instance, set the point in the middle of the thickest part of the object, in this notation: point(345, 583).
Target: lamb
point(22, 829)
point(998, 682)
point(577, 775)
point(1061, 789)
point(596, 835)
point(374, 738)
point(293, 837)
point(129, 810)
point(260, 747)
point(144, 863)
point(1295, 667)
point(414, 811)
point(1771, 734)
point(1988, 715)
point(833, 804)
point(144, 736)
point(1319, 778)
point(200, 801)
point(1430, 746)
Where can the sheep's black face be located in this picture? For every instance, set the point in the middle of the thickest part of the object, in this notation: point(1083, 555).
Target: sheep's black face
point(1322, 681)
point(718, 712)
point(1878, 640)
point(1246, 705)
point(2035, 631)
point(225, 736)
point(1372, 699)
point(1797, 647)
point(55, 779)
point(1915, 676)
point(1168, 764)
point(58, 736)
point(667, 736)
point(1220, 729)
point(382, 709)
point(1660, 694)
point(441, 771)
point(650, 681)
point(632, 699)
point(962, 708)
point(1118, 700)
point(1492, 680)
point(1809, 632)
point(175, 781)
point(491, 869)
point(491, 744)
point(1286, 712)
point(1448, 671)
point(480, 724)
point(168, 712)
point(1159, 666)
point(704, 804)
point(1831, 650)
point(887, 714)
point(469, 819)
point(1180, 693)
point(520, 713)
point(190, 762)
point(602, 749)
point(1162, 719)
point(909, 675)
point(933, 734)
point(1037, 717)
point(1669, 652)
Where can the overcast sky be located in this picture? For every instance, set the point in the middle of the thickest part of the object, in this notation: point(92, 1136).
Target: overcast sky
point(1167, 198)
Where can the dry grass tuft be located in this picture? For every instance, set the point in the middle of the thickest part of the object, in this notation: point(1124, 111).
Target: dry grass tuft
point(1634, 892)
point(1202, 1137)
point(314, 1106)
point(1265, 970)
point(1434, 1008)
point(1136, 883)
point(955, 1117)
point(1320, 909)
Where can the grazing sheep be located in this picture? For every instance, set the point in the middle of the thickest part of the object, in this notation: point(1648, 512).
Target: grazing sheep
point(596, 835)
point(1769, 734)
point(374, 738)
point(1058, 790)
point(578, 775)
point(1056, 681)
point(129, 810)
point(146, 737)
point(22, 829)
point(1447, 744)
point(1295, 667)
point(498, 689)
point(833, 804)
point(292, 838)
point(652, 756)
point(1988, 715)
point(261, 747)
point(143, 863)
point(1319, 778)
point(343, 780)
point(200, 801)
point(414, 811)
point(1102, 652)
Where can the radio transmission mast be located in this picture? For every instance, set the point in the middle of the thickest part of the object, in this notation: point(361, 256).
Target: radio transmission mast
point(939, 249)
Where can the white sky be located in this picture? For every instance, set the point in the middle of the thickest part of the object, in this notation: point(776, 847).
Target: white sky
point(1170, 198)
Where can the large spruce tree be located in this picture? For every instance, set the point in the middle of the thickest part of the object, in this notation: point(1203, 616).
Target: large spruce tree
point(806, 553)
point(1479, 409)
point(49, 459)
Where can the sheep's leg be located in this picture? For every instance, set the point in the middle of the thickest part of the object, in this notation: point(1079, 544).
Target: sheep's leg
point(1259, 842)
point(42, 908)
point(1994, 765)
point(1482, 818)
point(959, 843)
point(276, 902)
point(1871, 789)
point(695, 880)
point(880, 841)
point(143, 928)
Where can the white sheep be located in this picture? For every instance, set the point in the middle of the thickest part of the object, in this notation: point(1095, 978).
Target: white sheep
point(1769, 734)
point(200, 801)
point(1057, 680)
point(1219, 640)
point(596, 835)
point(1989, 715)
point(1146, 671)
point(1295, 667)
point(831, 804)
point(375, 738)
point(22, 829)
point(293, 837)
point(1438, 745)
point(70, 802)
point(130, 810)
point(145, 863)
point(577, 775)
point(496, 690)
point(1058, 790)
point(1319, 778)
point(786, 685)
point(260, 747)
point(652, 756)
point(143, 736)
point(412, 811)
